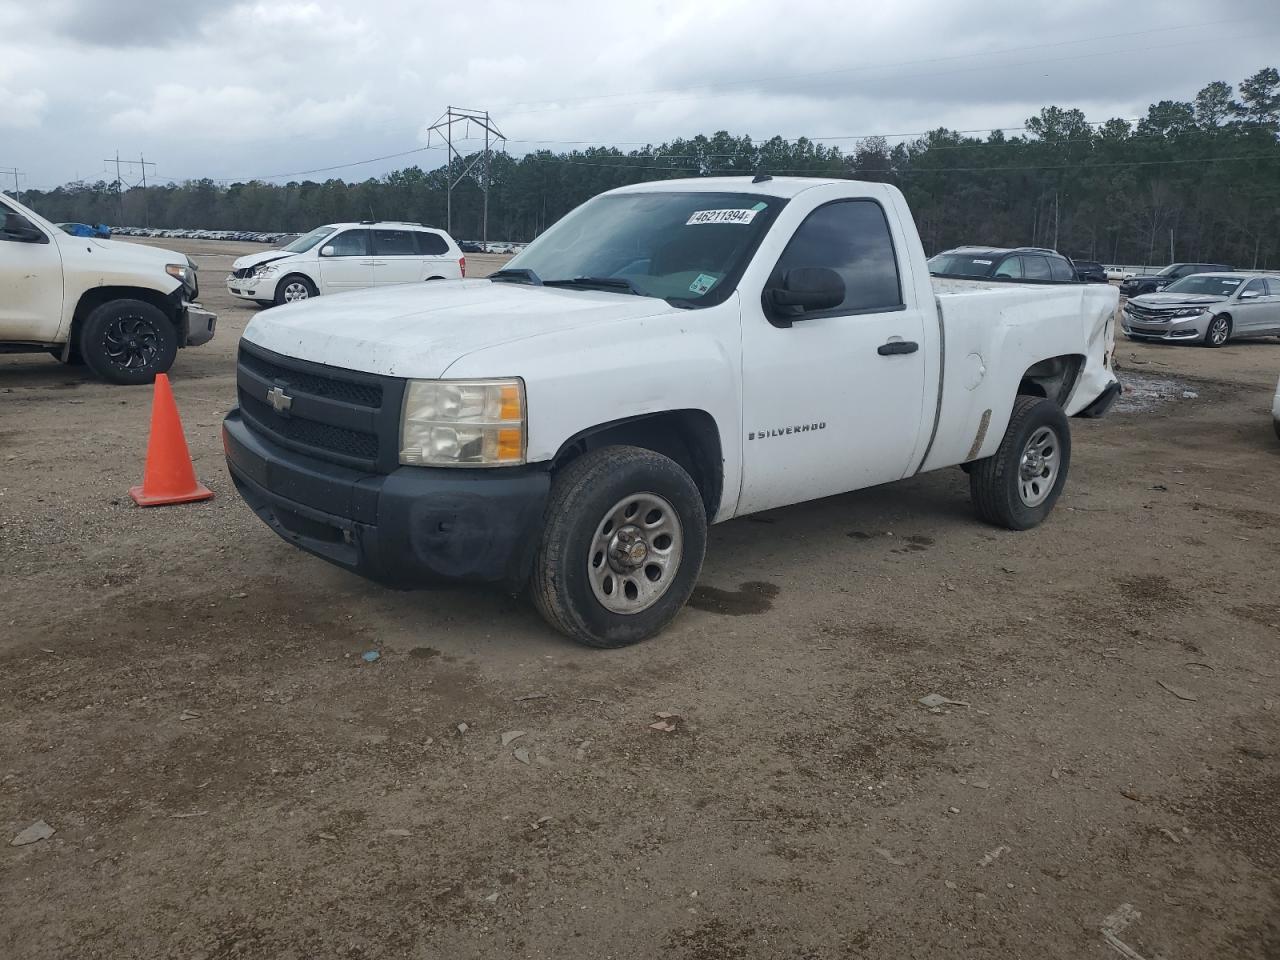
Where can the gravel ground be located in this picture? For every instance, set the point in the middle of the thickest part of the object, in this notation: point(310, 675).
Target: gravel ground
point(183, 699)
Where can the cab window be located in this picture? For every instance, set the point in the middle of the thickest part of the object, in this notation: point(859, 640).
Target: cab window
point(852, 238)
point(350, 243)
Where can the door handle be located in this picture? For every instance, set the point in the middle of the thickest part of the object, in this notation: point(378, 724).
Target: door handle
point(894, 347)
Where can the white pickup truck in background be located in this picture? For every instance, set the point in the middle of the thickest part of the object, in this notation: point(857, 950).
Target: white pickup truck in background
point(667, 355)
point(123, 309)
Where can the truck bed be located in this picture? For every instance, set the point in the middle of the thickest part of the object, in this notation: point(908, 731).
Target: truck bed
point(992, 333)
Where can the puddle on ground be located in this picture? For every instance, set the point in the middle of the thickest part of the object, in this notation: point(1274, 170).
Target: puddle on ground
point(1144, 392)
point(424, 653)
point(753, 597)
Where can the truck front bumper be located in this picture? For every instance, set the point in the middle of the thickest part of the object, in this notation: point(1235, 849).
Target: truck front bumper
point(200, 324)
point(410, 527)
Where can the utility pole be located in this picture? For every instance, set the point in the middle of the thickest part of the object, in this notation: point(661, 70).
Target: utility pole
point(1055, 219)
point(142, 163)
point(444, 126)
point(15, 173)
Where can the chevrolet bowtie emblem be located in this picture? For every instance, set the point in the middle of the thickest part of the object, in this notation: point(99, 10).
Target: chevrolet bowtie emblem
point(279, 400)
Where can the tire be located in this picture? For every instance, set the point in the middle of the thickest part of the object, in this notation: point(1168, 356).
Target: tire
point(1003, 486)
point(1218, 333)
point(293, 288)
point(573, 569)
point(128, 342)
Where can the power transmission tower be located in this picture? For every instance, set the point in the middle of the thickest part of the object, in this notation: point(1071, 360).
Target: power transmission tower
point(444, 127)
point(142, 163)
point(15, 173)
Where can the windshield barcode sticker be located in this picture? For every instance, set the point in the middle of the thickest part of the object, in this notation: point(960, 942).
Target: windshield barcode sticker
point(721, 216)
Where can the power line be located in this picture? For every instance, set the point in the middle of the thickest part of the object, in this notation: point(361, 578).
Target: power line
point(590, 104)
point(881, 66)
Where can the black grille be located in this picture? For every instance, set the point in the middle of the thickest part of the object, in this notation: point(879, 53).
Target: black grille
point(324, 436)
point(243, 273)
point(331, 388)
point(1147, 314)
point(344, 416)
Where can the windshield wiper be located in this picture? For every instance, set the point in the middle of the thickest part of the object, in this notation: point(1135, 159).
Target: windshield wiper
point(609, 283)
point(516, 275)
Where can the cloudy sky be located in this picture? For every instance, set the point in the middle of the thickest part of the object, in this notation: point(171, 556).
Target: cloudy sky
point(264, 89)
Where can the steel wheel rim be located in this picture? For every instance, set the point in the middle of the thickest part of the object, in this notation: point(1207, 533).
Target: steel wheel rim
point(635, 553)
point(131, 342)
point(1038, 467)
point(1218, 331)
point(295, 291)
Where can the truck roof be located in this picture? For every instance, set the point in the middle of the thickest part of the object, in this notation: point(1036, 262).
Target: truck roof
point(773, 187)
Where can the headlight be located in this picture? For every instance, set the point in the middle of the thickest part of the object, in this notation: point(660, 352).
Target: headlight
point(460, 423)
point(266, 270)
point(179, 271)
point(1189, 312)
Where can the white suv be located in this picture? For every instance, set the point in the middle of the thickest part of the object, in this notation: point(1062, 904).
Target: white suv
point(346, 256)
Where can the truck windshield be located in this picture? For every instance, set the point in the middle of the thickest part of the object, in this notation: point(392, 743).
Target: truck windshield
point(687, 248)
point(1201, 283)
point(308, 240)
point(961, 265)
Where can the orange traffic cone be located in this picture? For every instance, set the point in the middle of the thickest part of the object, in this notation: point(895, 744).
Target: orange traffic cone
point(169, 476)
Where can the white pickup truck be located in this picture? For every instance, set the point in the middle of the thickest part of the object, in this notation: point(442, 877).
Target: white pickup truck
point(123, 309)
point(666, 356)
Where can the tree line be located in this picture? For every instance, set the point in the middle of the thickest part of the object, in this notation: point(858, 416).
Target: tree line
point(1195, 180)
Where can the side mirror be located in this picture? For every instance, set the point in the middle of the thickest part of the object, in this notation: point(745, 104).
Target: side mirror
point(806, 289)
point(326, 251)
point(1250, 295)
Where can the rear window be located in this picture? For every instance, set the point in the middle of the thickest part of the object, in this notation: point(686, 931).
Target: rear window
point(432, 244)
point(962, 265)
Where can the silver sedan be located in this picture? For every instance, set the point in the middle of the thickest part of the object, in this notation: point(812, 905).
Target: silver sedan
point(1207, 308)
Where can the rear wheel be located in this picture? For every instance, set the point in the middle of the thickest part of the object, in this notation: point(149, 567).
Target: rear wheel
point(1018, 485)
point(625, 535)
point(1219, 332)
point(128, 342)
point(293, 288)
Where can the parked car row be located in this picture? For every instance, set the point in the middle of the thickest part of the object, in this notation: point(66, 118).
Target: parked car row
point(244, 235)
point(476, 246)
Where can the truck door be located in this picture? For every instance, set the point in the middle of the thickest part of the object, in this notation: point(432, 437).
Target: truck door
point(30, 280)
point(833, 402)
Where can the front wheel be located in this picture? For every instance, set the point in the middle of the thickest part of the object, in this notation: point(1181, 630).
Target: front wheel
point(1018, 485)
point(1219, 332)
point(128, 342)
point(625, 534)
point(293, 288)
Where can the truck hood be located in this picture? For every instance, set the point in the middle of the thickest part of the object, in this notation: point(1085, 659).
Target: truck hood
point(88, 250)
point(1169, 300)
point(253, 259)
point(420, 329)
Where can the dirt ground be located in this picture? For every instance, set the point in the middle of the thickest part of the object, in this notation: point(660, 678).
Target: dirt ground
point(1118, 742)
